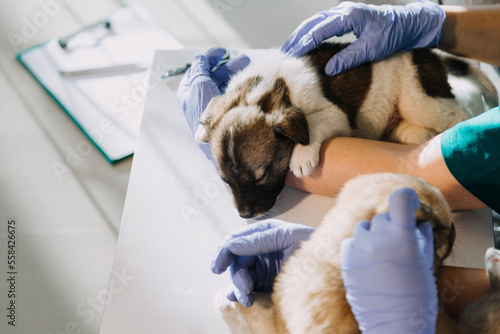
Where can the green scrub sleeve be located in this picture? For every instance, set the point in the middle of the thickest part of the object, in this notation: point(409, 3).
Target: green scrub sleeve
point(471, 151)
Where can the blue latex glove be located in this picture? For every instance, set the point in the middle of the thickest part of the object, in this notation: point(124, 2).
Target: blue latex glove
point(387, 270)
point(200, 84)
point(255, 255)
point(381, 31)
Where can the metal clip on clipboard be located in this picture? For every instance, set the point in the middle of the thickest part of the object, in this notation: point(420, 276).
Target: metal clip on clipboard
point(63, 41)
point(104, 70)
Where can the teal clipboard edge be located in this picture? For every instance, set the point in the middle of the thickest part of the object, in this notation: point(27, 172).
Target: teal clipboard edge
point(19, 57)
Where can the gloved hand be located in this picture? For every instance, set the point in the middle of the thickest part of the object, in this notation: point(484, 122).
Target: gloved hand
point(381, 31)
point(387, 270)
point(200, 84)
point(255, 255)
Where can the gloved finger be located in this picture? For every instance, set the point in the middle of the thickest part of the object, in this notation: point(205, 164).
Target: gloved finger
point(214, 56)
point(237, 64)
point(231, 296)
point(323, 30)
point(346, 247)
point(354, 250)
point(242, 281)
point(353, 55)
point(303, 29)
point(200, 66)
point(270, 236)
point(383, 228)
point(240, 273)
point(224, 257)
point(222, 74)
point(257, 227)
point(248, 299)
point(222, 260)
point(364, 225)
point(403, 204)
point(183, 88)
point(289, 238)
point(401, 219)
point(425, 229)
point(244, 299)
point(259, 243)
point(425, 239)
point(195, 100)
point(361, 233)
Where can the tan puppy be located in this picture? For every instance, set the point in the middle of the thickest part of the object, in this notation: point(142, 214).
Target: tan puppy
point(309, 295)
point(276, 113)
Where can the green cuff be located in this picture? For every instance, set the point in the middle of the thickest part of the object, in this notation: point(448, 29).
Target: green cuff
point(471, 151)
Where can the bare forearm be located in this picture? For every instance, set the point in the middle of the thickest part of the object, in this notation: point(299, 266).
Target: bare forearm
point(345, 158)
point(472, 32)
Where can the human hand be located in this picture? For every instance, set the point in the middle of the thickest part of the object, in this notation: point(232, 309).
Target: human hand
point(387, 270)
point(380, 31)
point(255, 255)
point(201, 83)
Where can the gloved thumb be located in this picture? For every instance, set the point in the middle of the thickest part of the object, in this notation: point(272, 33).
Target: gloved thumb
point(251, 241)
point(402, 206)
point(214, 55)
point(222, 74)
point(237, 63)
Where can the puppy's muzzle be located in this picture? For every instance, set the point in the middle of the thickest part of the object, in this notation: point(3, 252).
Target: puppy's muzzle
point(255, 203)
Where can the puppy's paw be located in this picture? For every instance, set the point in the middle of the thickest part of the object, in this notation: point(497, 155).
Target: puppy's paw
point(201, 135)
point(236, 317)
point(304, 160)
point(224, 305)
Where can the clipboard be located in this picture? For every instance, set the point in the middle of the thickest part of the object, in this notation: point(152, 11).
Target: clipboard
point(106, 105)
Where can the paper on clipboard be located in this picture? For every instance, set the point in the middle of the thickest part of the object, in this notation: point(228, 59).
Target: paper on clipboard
point(106, 106)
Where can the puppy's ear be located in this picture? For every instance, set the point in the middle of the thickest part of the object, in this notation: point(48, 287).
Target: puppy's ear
point(275, 99)
point(292, 123)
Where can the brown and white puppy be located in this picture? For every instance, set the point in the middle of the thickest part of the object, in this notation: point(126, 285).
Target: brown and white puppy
point(276, 113)
point(309, 295)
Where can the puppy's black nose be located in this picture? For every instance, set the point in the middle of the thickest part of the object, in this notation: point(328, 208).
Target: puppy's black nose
point(247, 215)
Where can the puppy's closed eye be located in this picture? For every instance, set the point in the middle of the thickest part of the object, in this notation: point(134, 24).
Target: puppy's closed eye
point(261, 174)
